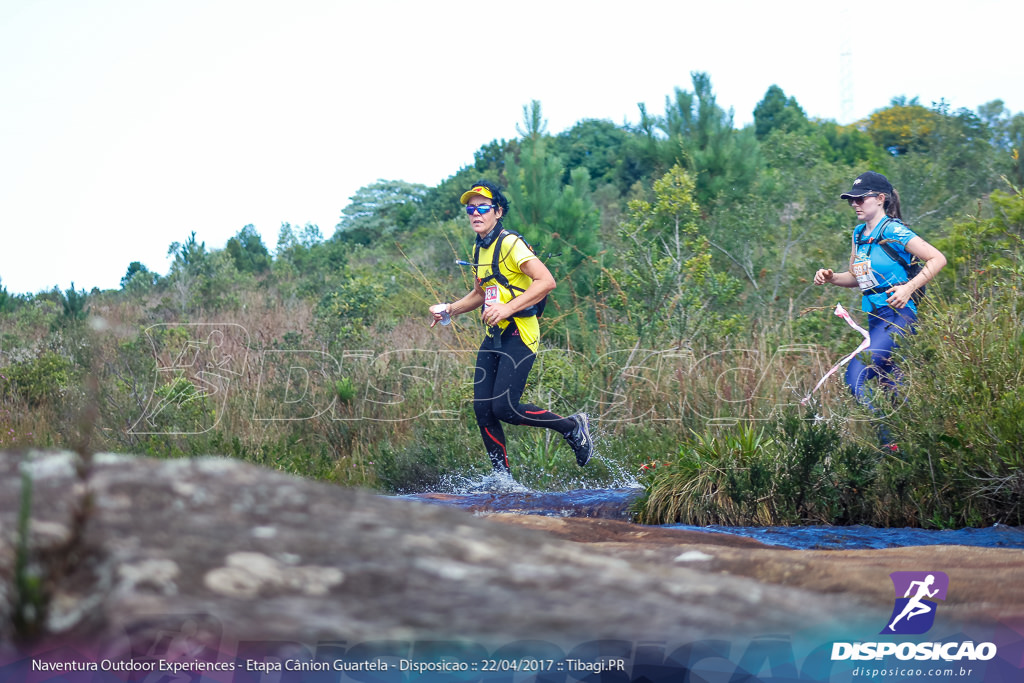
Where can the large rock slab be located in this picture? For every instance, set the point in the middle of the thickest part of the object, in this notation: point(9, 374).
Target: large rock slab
point(263, 555)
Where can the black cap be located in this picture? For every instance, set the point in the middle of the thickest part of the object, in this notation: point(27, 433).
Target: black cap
point(868, 183)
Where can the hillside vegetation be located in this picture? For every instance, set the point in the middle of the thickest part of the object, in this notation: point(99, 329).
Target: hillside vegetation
point(684, 322)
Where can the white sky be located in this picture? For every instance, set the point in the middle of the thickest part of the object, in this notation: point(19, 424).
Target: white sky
point(127, 124)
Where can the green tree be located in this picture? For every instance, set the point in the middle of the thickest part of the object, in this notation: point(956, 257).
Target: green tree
point(308, 264)
point(980, 248)
point(1007, 137)
point(556, 216)
point(665, 286)
point(776, 112)
point(595, 145)
point(847, 145)
point(248, 251)
point(288, 240)
point(190, 258)
point(8, 303)
point(138, 275)
point(73, 305)
point(945, 176)
point(700, 136)
point(385, 207)
point(787, 226)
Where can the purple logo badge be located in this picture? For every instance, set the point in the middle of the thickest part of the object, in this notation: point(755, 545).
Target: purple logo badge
point(916, 593)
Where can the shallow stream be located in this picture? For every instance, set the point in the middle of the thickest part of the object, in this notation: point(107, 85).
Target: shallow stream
point(615, 504)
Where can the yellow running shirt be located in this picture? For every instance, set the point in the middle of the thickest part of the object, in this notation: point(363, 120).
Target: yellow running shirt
point(514, 253)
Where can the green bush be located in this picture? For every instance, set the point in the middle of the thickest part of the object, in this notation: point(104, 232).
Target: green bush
point(41, 380)
point(345, 315)
point(796, 469)
point(963, 412)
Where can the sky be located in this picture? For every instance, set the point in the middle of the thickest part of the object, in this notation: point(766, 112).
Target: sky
point(126, 125)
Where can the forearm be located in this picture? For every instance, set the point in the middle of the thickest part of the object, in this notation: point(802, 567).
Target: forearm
point(929, 270)
point(844, 279)
point(470, 302)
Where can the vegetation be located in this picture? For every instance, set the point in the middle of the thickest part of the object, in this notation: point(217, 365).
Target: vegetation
point(684, 322)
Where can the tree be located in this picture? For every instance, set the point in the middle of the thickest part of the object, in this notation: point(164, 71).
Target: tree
point(903, 127)
point(288, 240)
point(700, 136)
point(947, 174)
point(1006, 132)
point(8, 303)
point(248, 251)
point(385, 207)
point(557, 216)
point(311, 264)
point(775, 112)
point(595, 145)
point(665, 285)
point(847, 145)
point(73, 305)
point(138, 275)
point(190, 257)
point(787, 224)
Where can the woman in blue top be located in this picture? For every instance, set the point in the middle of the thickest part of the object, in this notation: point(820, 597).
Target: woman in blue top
point(882, 279)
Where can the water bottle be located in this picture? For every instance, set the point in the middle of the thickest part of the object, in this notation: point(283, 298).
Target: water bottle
point(442, 310)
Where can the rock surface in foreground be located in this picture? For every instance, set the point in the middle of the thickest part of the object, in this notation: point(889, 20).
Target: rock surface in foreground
point(262, 555)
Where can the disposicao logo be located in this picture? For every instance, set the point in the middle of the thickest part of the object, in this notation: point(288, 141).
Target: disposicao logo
point(914, 612)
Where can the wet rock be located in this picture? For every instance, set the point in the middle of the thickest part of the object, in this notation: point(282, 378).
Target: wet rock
point(985, 579)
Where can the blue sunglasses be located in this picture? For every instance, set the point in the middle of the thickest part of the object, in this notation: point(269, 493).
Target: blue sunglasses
point(479, 208)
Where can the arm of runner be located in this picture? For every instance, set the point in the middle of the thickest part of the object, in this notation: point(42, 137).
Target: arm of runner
point(542, 282)
point(470, 302)
point(844, 279)
point(934, 261)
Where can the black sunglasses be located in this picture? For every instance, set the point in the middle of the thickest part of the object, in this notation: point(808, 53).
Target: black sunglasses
point(479, 208)
point(860, 200)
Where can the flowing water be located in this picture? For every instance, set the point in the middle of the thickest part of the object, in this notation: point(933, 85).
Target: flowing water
point(614, 503)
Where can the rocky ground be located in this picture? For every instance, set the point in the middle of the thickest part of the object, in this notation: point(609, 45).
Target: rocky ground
point(247, 553)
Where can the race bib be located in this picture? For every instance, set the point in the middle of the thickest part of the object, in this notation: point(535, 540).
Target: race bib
point(491, 296)
point(861, 270)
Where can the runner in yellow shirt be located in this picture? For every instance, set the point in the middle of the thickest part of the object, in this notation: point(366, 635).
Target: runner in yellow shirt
point(510, 296)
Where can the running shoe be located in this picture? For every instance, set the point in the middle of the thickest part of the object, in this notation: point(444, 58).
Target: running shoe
point(579, 439)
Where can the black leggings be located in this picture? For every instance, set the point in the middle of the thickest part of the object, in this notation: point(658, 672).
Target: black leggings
point(501, 375)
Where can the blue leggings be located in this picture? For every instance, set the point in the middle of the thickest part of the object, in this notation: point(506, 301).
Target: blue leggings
point(885, 325)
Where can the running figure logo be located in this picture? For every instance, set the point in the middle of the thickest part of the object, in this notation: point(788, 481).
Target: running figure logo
point(914, 612)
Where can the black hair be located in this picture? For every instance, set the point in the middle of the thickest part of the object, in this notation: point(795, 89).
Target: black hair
point(496, 195)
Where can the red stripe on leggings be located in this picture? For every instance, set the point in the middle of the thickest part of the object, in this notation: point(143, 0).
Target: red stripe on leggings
point(503, 451)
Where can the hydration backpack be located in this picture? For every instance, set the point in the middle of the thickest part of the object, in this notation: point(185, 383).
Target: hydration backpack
point(911, 269)
point(536, 309)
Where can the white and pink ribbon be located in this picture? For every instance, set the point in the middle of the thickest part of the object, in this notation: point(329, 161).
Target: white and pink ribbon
point(842, 313)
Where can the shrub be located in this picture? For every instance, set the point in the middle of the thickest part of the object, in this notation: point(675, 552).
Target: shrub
point(798, 469)
point(41, 380)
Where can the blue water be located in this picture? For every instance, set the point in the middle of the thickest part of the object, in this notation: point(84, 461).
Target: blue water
point(615, 504)
point(863, 537)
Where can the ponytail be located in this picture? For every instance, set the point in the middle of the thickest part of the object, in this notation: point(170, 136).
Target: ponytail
point(892, 205)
